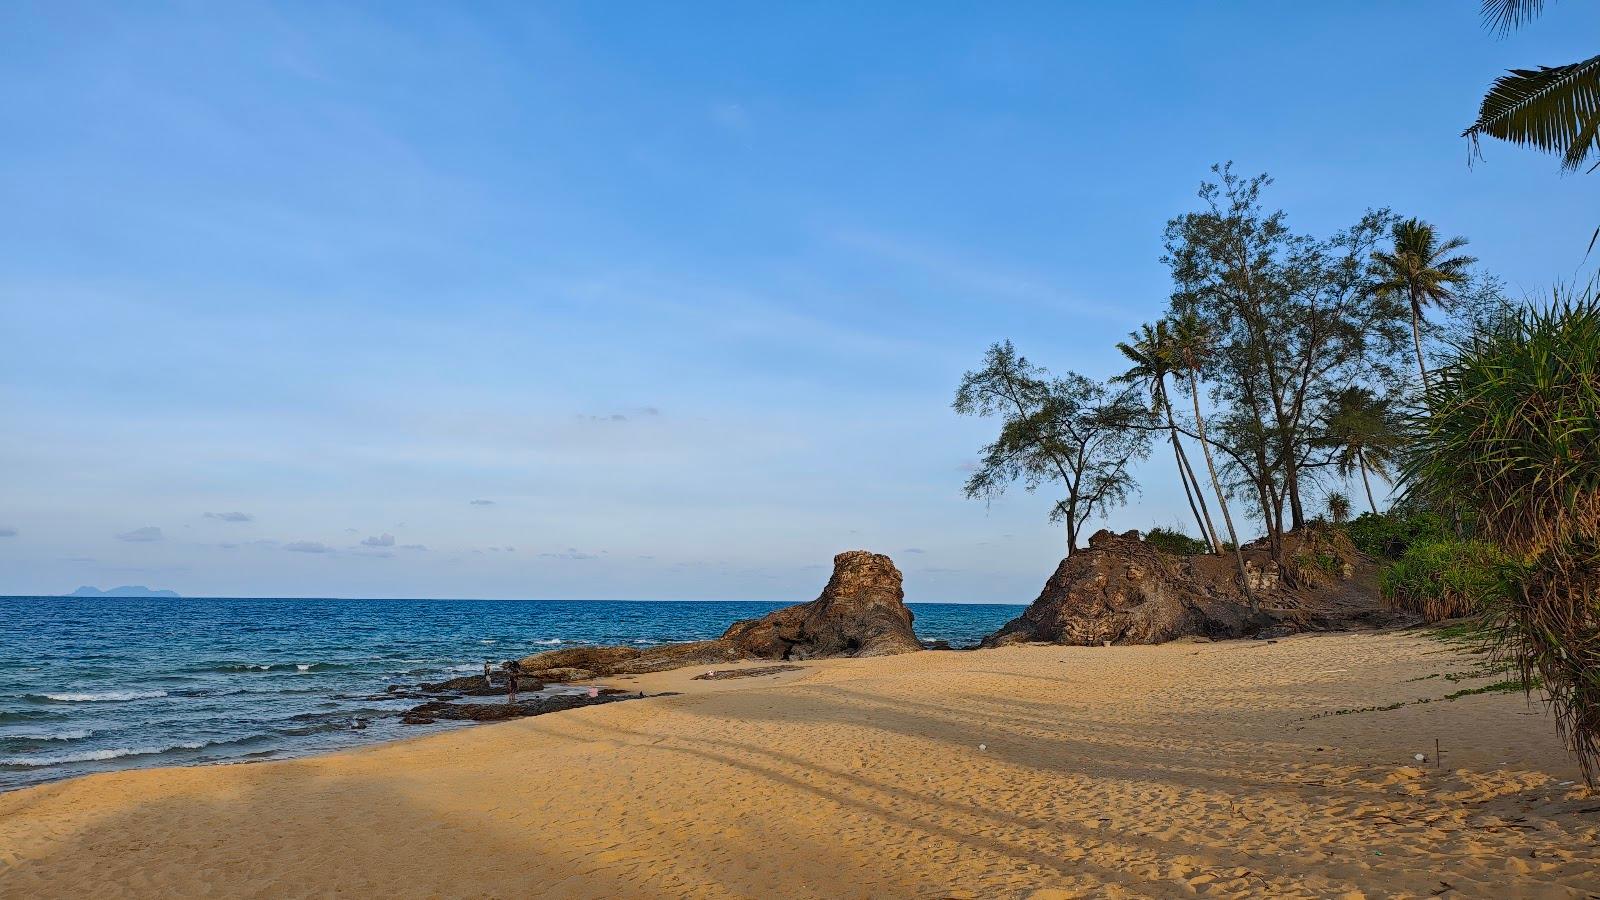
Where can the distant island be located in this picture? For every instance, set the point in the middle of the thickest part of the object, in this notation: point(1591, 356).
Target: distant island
point(127, 590)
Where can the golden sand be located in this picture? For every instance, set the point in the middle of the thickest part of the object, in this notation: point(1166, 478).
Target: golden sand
point(1185, 769)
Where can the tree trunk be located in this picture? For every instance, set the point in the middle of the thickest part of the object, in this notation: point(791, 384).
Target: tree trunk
point(1188, 493)
point(1291, 486)
point(1368, 484)
point(1227, 517)
point(1416, 338)
point(1199, 495)
point(1208, 532)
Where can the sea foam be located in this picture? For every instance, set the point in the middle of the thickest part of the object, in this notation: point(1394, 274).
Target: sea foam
point(102, 696)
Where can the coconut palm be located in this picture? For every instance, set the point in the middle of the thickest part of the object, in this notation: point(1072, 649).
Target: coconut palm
point(1192, 345)
point(1150, 349)
point(1552, 108)
point(1338, 507)
point(1422, 270)
point(1362, 432)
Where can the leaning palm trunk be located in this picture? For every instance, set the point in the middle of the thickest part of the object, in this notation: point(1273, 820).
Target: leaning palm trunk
point(1367, 483)
point(1199, 494)
point(1186, 474)
point(1222, 500)
point(1416, 338)
point(1188, 493)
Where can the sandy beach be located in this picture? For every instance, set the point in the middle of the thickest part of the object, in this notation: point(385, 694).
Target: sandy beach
point(1241, 768)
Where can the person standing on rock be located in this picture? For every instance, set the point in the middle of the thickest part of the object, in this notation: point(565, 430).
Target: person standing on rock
point(513, 671)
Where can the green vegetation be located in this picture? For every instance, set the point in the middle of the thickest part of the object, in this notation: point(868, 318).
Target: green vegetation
point(1387, 536)
point(1551, 108)
point(1512, 432)
point(1073, 430)
point(1447, 579)
point(1171, 540)
point(1363, 434)
point(1338, 504)
point(1304, 362)
point(1155, 352)
point(1422, 271)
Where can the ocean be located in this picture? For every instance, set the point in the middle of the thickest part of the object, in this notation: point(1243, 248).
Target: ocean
point(93, 684)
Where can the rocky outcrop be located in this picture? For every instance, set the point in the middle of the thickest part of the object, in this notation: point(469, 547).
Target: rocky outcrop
point(1122, 590)
point(861, 612)
point(445, 711)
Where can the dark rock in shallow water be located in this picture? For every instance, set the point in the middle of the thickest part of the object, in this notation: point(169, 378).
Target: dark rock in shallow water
point(1122, 590)
point(440, 710)
point(861, 612)
point(478, 686)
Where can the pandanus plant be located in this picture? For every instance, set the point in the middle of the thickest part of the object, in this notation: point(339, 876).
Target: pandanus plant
point(1511, 431)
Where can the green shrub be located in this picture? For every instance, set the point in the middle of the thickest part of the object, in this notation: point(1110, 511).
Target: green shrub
point(1389, 535)
point(1444, 579)
point(1171, 540)
point(1509, 431)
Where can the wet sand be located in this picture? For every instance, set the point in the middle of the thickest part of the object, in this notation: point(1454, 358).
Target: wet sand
point(1190, 769)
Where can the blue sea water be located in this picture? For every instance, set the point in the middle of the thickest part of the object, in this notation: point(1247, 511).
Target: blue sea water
point(91, 684)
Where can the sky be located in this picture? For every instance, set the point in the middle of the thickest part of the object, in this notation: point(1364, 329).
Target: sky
point(648, 301)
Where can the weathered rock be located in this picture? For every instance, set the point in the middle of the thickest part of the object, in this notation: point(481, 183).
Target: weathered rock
point(456, 685)
point(861, 612)
point(757, 672)
point(565, 675)
point(599, 660)
point(478, 686)
point(439, 710)
point(1122, 590)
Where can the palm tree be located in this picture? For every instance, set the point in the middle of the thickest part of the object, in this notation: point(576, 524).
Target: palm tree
point(1192, 344)
point(1361, 431)
point(1422, 270)
point(1552, 108)
point(1151, 352)
point(1338, 507)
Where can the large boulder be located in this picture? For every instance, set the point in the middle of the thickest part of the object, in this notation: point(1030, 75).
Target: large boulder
point(1122, 590)
point(861, 612)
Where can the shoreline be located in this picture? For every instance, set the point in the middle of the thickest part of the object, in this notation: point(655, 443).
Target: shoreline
point(1238, 768)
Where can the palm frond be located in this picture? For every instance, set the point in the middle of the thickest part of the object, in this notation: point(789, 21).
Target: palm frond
point(1552, 108)
point(1503, 16)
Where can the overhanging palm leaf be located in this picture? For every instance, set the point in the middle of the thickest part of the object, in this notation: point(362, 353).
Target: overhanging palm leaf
point(1503, 16)
point(1552, 108)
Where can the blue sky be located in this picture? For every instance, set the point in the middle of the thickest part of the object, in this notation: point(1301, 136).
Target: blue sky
point(682, 290)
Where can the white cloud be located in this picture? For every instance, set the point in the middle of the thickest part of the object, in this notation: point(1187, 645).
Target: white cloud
point(7, 531)
point(384, 540)
point(141, 535)
point(231, 516)
point(308, 547)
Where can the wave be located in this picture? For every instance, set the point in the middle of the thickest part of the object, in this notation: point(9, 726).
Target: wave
point(99, 697)
point(488, 641)
point(550, 642)
point(272, 667)
point(67, 734)
point(94, 755)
